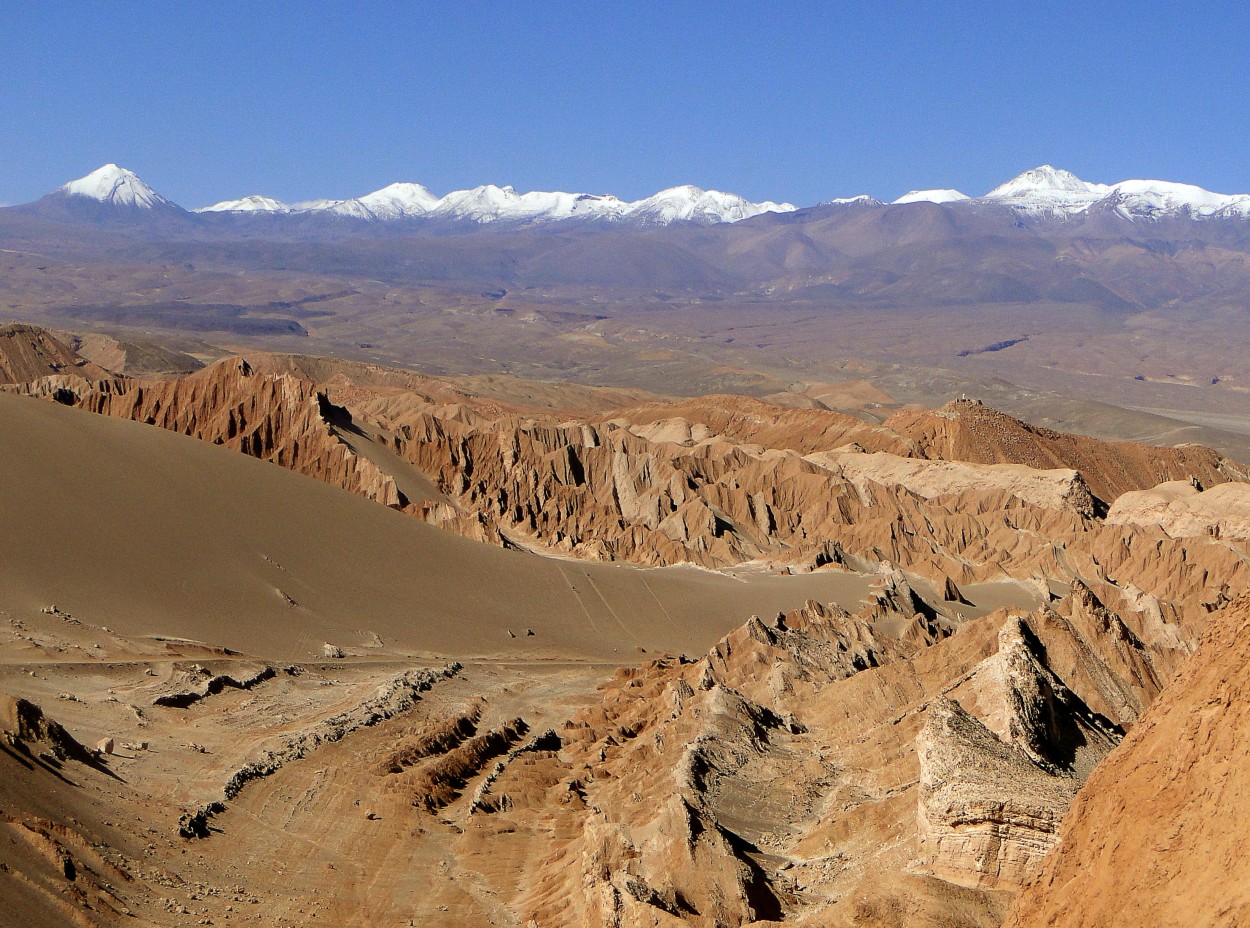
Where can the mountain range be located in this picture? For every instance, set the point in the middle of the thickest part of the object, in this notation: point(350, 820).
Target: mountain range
point(1044, 192)
point(116, 186)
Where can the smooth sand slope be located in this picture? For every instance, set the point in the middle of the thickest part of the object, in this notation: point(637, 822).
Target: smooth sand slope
point(149, 532)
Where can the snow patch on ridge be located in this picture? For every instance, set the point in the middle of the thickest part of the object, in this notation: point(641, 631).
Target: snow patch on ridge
point(862, 199)
point(252, 204)
point(943, 195)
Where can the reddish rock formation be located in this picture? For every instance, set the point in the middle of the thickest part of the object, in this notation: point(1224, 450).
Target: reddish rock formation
point(274, 417)
point(831, 768)
point(28, 352)
point(969, 431)
point(664, 488)
point(751, 421)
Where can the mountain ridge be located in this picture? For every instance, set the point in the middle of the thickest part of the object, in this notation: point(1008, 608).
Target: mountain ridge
point(1044, 192)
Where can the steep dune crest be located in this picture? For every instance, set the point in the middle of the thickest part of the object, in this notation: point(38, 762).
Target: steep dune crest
point(274, 417)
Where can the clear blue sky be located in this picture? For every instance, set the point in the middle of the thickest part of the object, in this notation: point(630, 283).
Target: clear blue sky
point(776, 100)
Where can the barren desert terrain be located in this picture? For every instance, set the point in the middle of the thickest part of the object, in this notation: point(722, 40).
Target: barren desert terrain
point(300, 640)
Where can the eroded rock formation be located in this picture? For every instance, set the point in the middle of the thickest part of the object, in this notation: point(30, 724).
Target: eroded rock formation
point(28, 352)
point(1155, 835)
point(963, 494)
point(822, 766)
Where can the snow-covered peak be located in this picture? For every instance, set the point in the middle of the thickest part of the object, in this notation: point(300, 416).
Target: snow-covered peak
point(252, 204)
point(487, 203)
point(116, 186)
point(862, 199)
point(1047, 190)
point(688, 203)
point(1044, 181)
point(1156, 198)
point(943, 195)
point(399, 201)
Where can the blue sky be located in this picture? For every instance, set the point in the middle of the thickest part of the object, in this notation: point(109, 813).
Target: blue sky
point(793, 101)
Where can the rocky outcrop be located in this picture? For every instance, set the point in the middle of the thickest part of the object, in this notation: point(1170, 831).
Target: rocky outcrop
point(600, 490)
point(988, 813)
point(28, 352)
point(970, 431)
point(196, 683)
point(440, 783)
point(824, 766)
point(1154, 836)
point(392, 698)
point(26, 728)
point(1061, 489)
point(1184, 510)
point(745, 420)
point(131, 358)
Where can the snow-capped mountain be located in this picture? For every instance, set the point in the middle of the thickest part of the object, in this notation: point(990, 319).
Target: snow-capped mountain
point(1050, 192)
point(690, 203)
point(1162, 198)
point(492, 204)
point(252, 204)
point(862, 199)
point(116, 186)
point(503, 204)
point(945, 195)
point(398, 201)
point(1043, 193)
